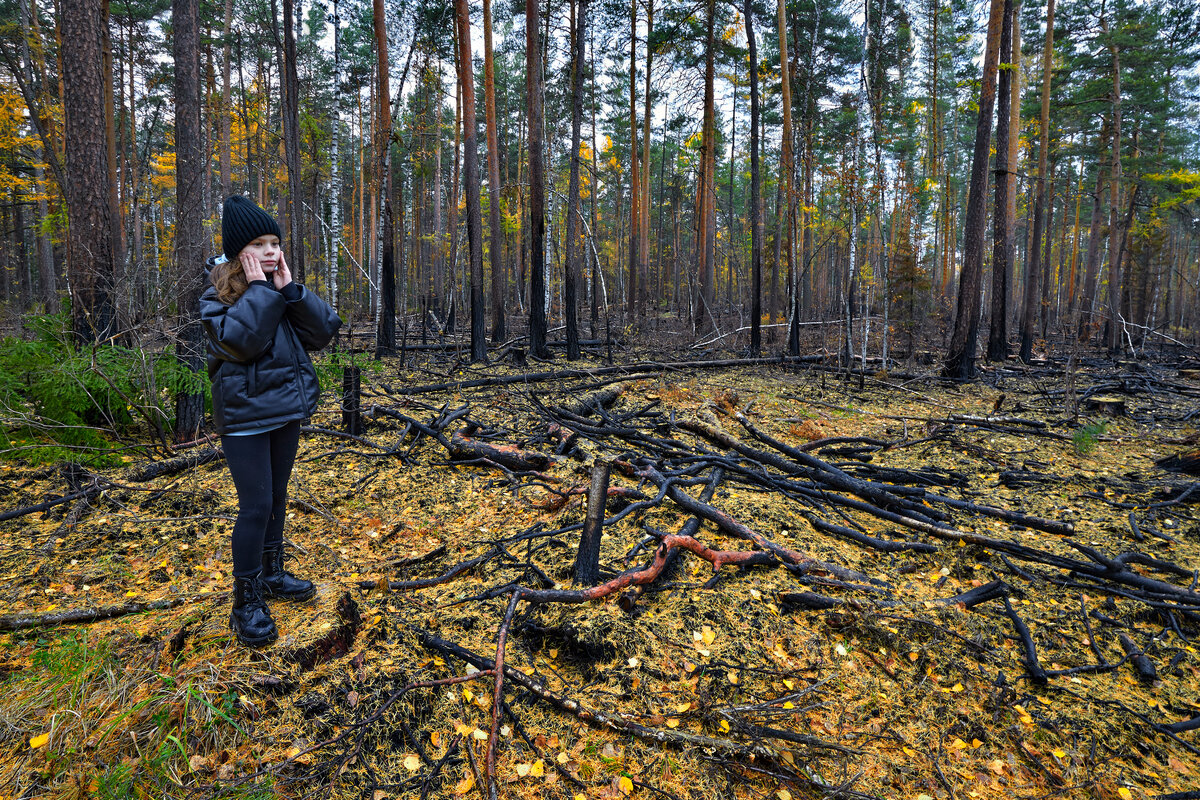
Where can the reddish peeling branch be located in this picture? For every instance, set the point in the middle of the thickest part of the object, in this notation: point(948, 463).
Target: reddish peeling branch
point(739, 529)
point(649, 573)
point(462, 448)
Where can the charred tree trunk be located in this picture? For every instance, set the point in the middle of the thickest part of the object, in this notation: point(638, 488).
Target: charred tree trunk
point(960, 360)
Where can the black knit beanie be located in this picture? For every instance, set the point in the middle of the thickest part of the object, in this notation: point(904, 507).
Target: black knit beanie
point(241, 223)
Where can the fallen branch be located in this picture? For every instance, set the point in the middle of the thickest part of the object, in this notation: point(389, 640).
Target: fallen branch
point(75, 616)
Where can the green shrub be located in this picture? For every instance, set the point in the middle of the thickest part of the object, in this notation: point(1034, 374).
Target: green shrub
point(330, 363)
point(59, 401)
point(1085, 437)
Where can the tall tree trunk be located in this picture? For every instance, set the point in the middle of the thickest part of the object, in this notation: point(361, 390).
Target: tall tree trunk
point(226, 98)
point(290, 82)
point(110, 137)
point(1014, 159)
point(1033, 260)
point(635, 188)
point(1002, 241)
point(537, 184)
point(90, 251)
point(495, 232)
point(960, 360)
point(644, 205)
point(706, 207)
point(574, 212)
point(190, 176)
point(755, 191)
point(786, 170)
point(335, 174)
point(47, 278)
point(1115, 284)
point(385, 332)
point(466, 79)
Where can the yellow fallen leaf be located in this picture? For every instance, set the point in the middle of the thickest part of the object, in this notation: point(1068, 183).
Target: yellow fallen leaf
point(468, 695)
point(412, 763)
point(1059, 753)
point(789, 704)
point(39, 741)
point(908, 751)
point(465, 785)
point(784, 794)
point(522, 770)
point(479, 735)
point(789, 684)
point(1125, 793)
point(959, 744)
point(672, 723)
point(435, 738)
point(708, 635)
point(958, 687)
point(625, 784)
point(732, 676)
point(563, 758)
point(724, 726)
point(682, 707)
point(538, 768)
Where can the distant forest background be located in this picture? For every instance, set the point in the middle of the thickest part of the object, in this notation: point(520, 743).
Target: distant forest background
point(883, 178)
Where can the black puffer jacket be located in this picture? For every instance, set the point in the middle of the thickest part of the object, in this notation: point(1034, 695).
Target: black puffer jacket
point(257, 354)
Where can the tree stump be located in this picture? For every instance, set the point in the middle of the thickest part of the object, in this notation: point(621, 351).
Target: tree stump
point(587, 561)
point(1107, 405)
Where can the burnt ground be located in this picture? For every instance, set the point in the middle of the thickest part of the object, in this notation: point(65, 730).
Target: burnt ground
point(834, 651)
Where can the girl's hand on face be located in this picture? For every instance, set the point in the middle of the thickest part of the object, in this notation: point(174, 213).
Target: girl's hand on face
point(282, 275)
point(251, 266)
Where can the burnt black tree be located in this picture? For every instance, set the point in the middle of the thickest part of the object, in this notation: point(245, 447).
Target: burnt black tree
point(470, 173)
point(960, 359)
point(574, 249)
point(537, 184)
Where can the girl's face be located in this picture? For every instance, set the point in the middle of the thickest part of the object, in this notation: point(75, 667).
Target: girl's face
point(266, 249)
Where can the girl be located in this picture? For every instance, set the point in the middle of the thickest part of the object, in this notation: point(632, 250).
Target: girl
point(260, 325)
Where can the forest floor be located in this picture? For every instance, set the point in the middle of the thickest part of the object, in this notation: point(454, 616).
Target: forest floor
point(842, 660)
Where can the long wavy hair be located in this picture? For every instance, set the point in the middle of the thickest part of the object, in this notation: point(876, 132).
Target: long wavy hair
point(230, 280)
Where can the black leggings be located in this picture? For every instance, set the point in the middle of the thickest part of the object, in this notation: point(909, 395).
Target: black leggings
point(261, 465)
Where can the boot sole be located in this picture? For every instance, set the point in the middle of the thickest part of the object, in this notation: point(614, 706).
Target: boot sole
point(290, 598)
point(252, 641)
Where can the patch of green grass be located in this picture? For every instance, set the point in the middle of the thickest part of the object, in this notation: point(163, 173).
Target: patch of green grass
point(1085, 437)
point(111, 723)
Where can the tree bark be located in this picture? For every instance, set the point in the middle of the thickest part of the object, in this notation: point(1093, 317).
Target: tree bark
point(90, 248)
point(190, 177)
point(960, 360)
point(495, 232)
point(786, 169)
point(471, 180)
point(573, 245)
point(385, 335)
point(227, 102)
point(1114, 204)
point(537, 184)
point(290, 81)
point(755, 191)
point(1034, 259)
point(1002, 242)
point(635, 187)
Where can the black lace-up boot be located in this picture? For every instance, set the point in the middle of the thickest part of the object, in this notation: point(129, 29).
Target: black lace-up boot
point(280, 583)
point(251, 619)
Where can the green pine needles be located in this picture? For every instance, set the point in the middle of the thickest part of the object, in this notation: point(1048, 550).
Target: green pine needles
point(60, 401)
